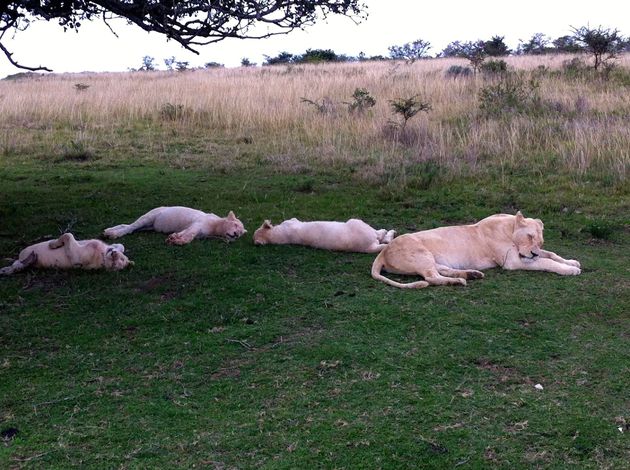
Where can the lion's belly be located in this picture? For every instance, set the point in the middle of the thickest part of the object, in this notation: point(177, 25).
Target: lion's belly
point(464, 261)
point(47, 258)
point(457, 247)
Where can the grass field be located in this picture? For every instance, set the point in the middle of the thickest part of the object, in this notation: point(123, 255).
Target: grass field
point(225, 356)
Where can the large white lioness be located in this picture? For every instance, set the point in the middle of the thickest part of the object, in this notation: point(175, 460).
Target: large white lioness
point(450, 255)
point(184, 225)
point(353, 235)
point(66, 252)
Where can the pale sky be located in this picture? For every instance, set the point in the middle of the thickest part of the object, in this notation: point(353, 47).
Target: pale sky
point(390, 22)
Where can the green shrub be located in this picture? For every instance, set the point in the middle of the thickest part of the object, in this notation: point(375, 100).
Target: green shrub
point(574, 68)
point(494, 67)
point(511, 94)
point(361, 101)
point(600, 229)
point(77, 151)
point(424, 174)
point(407, 108)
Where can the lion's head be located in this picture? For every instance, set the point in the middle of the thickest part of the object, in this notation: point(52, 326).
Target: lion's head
point(115, 259)
point(231, 228)
point(261, 235)
point(527, 236)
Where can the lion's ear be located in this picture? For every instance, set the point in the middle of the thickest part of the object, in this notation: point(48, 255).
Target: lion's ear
point(231, 215)
point(267, 224)
point(520, 220)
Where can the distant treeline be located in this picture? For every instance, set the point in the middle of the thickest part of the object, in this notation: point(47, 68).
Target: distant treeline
point(494, 47)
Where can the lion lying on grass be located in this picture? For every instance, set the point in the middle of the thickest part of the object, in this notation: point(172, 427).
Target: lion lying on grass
point(66, 252)
point(353, 235)
point(450, 255)
point(183, 224)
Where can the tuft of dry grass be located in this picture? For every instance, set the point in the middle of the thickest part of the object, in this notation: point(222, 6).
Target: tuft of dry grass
point(243, 116)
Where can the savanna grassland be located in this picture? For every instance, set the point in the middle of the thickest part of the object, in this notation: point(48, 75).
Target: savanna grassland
point(225, 355)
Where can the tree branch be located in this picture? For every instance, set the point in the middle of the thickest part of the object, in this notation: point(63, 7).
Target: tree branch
point(190, 23)
point(20, 66)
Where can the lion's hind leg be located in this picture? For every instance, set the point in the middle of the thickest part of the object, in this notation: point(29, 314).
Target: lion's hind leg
point(461, 273)
point(412, 259)
point(63, 240)
point(376, 247)
point(144, 222)
point(421, 261)
point(385, 236)
point(389, 236)
point(19, 265)
point(433, 277)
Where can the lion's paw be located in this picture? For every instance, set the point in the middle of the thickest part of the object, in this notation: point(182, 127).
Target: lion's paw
point(109, 233)
point(175, 240)
point(572, 271)
point(474, 274)
point(573, 262)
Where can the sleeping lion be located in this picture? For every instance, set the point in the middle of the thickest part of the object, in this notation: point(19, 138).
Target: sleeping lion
point(353, 235)
point(450, 255)
point(183, 224)
point(66, 252)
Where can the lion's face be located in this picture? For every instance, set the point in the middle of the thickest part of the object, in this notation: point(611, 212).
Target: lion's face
point(232, 228)
point(260, 235)
point(115, 259)
point(528, 236)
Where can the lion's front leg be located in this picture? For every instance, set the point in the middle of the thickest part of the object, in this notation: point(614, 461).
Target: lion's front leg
point(542, 264)
point(185, 236)
point(558, 259)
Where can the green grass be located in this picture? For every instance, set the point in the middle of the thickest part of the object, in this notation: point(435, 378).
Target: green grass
point(237, 356)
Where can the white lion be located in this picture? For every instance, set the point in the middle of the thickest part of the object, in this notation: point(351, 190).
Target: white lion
point(66, 252)
point(450, 255)
point(353, 235)
point(184, 224)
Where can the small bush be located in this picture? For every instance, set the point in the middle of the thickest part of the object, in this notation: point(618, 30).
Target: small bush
point(424, 174)
point(181, 65)
point(407, 108)
point(621, 76)
point(494, 67)
point(456, 71)
point(600, 229)
point(212, 65)
point(361, 101)
point(76, 151)
point(575, 67)
point(512, 94)
point(305, 186)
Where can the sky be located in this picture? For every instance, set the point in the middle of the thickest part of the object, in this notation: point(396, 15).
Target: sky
point(390, 22)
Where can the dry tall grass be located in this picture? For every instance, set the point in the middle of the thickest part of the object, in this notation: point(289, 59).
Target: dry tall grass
point(232, 117)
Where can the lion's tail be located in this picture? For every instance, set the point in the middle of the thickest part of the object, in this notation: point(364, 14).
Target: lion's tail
point(377, 267)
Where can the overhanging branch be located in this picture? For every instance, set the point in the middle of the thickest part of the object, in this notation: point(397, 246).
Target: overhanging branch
point(190, 23)
point(20, 66)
